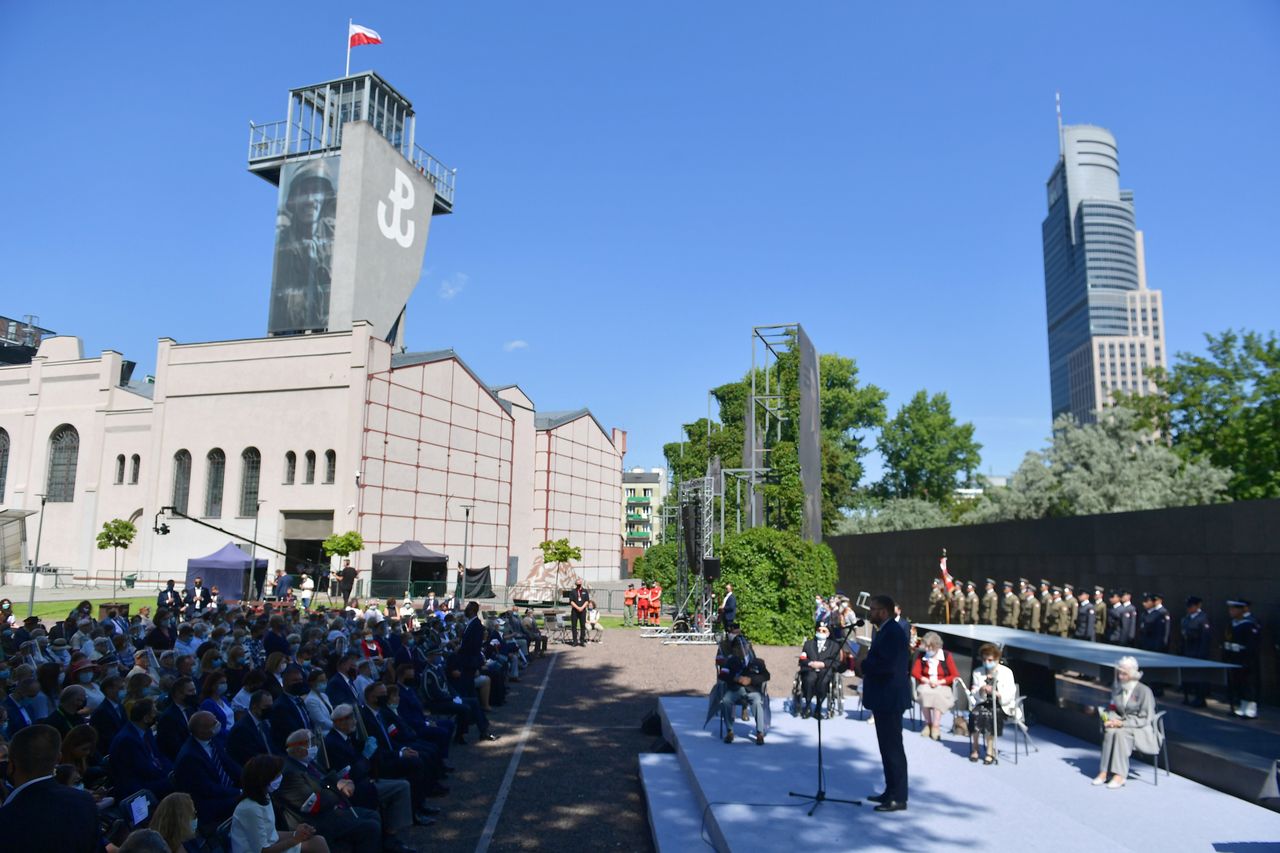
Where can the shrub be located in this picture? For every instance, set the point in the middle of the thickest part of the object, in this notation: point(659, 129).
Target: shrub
point(775, 576)
point(659, 564)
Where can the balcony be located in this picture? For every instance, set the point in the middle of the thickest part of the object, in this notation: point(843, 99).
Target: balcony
point(638, 499)
point(637, 518)
point(638, 534)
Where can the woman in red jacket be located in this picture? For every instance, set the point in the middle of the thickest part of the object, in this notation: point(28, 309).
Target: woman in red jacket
point(933, 673)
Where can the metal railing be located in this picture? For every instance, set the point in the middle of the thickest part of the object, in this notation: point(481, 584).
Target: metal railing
point(440, 175)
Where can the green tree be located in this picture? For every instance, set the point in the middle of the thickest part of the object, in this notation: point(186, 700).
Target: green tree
point(116, 534)
point(559, 552)
point(775, 575)
point(1114, 465)
point(343, 544)
point(896, 514)
point(1223, 407)
point(658, 564)
point(925, 451)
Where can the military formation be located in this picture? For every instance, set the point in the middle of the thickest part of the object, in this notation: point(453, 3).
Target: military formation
point(1111, 616)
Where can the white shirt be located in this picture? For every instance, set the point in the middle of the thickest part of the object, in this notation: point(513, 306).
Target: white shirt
point(253, 827)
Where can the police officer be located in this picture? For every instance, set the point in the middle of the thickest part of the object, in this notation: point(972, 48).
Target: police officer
point(1099, 614)
point(1115, 624)
point(1010, 607)
point(990, 604)
point(1086, 624)
point(1242, 645)
point(1197, 638)
point(1153, 624)
point(1029, 619)
point(1046, 607)
point(937, 603)
point(1128, 618)
point(971, 604)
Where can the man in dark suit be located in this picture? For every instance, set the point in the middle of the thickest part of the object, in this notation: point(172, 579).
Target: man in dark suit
point(19, 716)
point(393, 761)
point(201, 594)
point(346, 749)
point(1197, 642)
point(169, 598)
point(276, 639)
point(109, 717)
point(728, 607)
point(39, 813)
point(471, 649)
point(207, 773)
point(251, 735)
point(173, 725)
point(818, 661)
point(323, 799)
point(578, 600)
point(886, 693)
point(135, 760)
point(290, 711)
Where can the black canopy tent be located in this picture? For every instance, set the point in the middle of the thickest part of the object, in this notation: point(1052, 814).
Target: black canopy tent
point(406, 565)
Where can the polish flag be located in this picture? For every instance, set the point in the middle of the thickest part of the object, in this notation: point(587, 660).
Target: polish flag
point(946, 576)
point(359, 35)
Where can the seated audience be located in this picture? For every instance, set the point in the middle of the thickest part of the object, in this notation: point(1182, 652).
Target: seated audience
point(175, 821)
point(253, 824)
point(1128, 723)
point(818, 661)
point(38, 813)
point(206, 772)
point(993, 698)
point(934, 672)
point(135, 761)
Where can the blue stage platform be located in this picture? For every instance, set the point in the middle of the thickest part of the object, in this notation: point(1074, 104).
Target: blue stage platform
point(1042, 803)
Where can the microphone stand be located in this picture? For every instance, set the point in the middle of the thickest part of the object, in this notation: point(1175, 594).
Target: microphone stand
point(821, 796)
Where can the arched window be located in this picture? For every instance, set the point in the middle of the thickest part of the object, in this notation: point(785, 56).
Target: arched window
point(290, 467)
point(181, 480)
point(135, 470)
point(311, 467)
point(330, 465)
point(120, 469)
point(217, 465)
point(4, 461)
point(64, 454)
point(251, 468)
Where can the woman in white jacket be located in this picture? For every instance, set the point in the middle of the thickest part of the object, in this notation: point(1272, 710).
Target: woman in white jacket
point(1128, 723)
point(987, 712)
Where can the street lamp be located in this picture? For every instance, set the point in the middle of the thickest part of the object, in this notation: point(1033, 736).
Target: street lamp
point(253, 547)
point(466, 545)
point(31, 602)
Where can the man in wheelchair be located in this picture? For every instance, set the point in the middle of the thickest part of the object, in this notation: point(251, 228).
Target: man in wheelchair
point(820, 660)
point(744, 677)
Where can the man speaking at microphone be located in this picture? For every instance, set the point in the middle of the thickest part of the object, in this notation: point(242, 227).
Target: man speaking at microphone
point(886, 693)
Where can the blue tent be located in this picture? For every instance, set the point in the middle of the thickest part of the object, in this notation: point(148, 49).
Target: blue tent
point(226, 569)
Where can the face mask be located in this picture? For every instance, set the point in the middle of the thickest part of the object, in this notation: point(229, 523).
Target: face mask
point(194, 825)
point(280, 669)
point(217, 730)
point(821, 635)
point(370, 747)
point(320, 686)
point(988, 664)
point(222, 688)
point(120, 694)
point(394, 707)
point(298, 688)
point(189, 700)
point(380, 702)
point(312, 752)
point(930, 653)
point(85, 677)
point(275, 784)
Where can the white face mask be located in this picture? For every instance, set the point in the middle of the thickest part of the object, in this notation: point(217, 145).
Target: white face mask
point(275, 784)
point(312, 752)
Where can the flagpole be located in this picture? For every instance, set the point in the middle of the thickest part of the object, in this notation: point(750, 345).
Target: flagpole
point(349, 22)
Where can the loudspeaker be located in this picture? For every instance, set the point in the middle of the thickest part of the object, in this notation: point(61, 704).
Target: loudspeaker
point(689, 522)
point(710, 568)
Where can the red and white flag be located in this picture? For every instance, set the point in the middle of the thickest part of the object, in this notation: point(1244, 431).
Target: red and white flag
point(946, 576)
point(358, 35)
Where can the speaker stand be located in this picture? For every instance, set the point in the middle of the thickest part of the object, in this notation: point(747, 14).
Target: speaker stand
point(821, 796)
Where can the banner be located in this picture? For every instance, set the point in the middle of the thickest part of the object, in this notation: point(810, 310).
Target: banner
point(305, 226)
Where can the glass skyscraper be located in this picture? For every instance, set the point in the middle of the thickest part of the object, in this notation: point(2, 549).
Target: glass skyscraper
point(1106, 329)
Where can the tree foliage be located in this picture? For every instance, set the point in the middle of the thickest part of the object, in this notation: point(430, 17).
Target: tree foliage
point(925, 450)
point(658, 564)
point(1114, 465)
point(116, 533)
point(846, 411)
point(1224, 408)
point(343, 544)
point(557, 552)
point(896, 514)
point(775, 575)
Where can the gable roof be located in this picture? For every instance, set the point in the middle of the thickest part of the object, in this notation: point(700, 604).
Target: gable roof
point(411, 359)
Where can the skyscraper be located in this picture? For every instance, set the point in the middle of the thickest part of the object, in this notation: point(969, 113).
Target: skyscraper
point(1106, 329)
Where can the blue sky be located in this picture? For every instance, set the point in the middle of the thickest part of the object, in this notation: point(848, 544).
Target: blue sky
point(641, 183)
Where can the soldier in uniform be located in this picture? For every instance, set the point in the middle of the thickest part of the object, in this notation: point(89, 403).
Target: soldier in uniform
point(1086, 624)
point(1046, 607)
point(1073, 606)
point(937, 603)
point(1153, 624)
point(1197, 638)
point(1115, 625)
point(1060, 620)
point(990, 604)
point(1030, 617)
point(957, 604)
point(971, 605)
point(1128, 619)
point(1011, 608)
point(1099, 615)
point(1242, 645)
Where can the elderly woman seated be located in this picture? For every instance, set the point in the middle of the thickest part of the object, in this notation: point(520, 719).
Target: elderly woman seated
point(993, 698)
point(1128, 723)
point(933, 673)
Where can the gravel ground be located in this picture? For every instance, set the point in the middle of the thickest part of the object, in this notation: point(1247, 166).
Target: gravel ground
point(576, 786)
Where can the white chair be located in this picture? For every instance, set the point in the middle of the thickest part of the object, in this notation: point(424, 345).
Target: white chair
point(1019, 721)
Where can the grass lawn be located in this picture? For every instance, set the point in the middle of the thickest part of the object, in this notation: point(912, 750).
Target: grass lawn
point(51, 611)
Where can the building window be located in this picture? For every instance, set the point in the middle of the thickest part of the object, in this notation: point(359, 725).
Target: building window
point(290, 467)
point(135, 469)
point(181, 480)
point(250, 469)
point(64, 454)
point(120, 469)
point(330, 466)
point(311, 467)
point(217, 466)
point(4, 461)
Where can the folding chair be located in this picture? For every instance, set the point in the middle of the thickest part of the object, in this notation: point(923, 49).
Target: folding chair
point(1158, 723)
point(562, 629)
point(1019, 721)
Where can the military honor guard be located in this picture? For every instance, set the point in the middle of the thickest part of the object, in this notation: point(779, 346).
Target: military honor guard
point(1242, 645)
point(1029, 619)
point(1046, 606)
point(1010, 607)
point(1197, 640)
point(957, 604)
point(1115, 624)
point(1154, 624)
point(972, 606)
point(1086, 624)
point(937, 603)
point(1060, 623)
point(1128, 619)
point(1069, 596)
point(990, 604)
point(1099, 614)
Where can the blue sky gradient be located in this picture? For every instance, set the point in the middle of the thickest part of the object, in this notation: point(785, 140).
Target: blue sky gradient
point(641, 183)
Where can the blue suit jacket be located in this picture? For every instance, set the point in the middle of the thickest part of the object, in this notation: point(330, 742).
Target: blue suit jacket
point(195, 773)
point(339, 691)
point(107, 721)
point(471, 649)
point(730, 606)
point(245, 741)
point(171, 731)
point(886, 682)
point(285, 720)
point(16, 722)
point(136, 763)
point(49, 816)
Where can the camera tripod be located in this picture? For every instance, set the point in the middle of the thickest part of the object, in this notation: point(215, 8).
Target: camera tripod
point(821, 797)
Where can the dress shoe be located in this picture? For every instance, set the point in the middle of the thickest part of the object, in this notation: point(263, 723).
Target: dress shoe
point(745, 716)
point(804, 712)
point(878, 798)
point(420, 819)
point(489, 737)
point(891, 806)
point(759, 738)
point(729, 737)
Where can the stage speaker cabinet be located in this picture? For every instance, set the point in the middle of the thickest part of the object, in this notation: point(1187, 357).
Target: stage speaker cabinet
point(711, 568)
point(689, 524)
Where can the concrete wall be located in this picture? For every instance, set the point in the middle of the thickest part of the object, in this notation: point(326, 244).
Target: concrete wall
point(1216, 552)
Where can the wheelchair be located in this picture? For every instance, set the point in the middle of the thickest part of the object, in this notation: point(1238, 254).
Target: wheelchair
point(832, 703)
